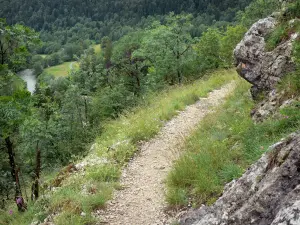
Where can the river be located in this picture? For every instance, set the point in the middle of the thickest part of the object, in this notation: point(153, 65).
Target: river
point(30, 79)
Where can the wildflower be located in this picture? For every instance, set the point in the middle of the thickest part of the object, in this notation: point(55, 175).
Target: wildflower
point(10, 212)
point(19, 201)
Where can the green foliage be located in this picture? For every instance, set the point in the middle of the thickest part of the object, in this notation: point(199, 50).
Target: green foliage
point(230, 172)
point(257, 9)
point(68, 28)
point(14, 42)
point(117, 82)
point(63, 69)
point(215, 47)
point(293, 10)
point(142, 123)
point(68, 21)
point(231, 37)
point(290, 84)
point(14, 99)
point(221, 148)
point(105, 173)
point(280, 34)
point(117, 143)
point(296, 52)
point(208, 49)
point(67, 218)
point(177, 197)
point(167, 48)
point(110, 102)
point(269, 132)
point(71, 202)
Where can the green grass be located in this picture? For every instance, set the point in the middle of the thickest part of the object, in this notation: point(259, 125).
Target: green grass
point(122, 137)
point(97, 48)
point(225, 143)
point(284, 30)
point(103, 173)
point(291, 84)
point(142, 123)
point(72, 203)
point(43, 55)
point(62, 70)
point(280, 34)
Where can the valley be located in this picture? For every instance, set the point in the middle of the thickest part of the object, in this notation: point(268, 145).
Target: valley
point(143, 113)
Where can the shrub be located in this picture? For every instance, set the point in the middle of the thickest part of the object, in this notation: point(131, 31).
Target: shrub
point(280, 34)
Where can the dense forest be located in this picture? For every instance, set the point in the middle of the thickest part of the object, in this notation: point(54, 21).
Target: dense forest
point(45, 15)
point(73, 23)
point(146, 47)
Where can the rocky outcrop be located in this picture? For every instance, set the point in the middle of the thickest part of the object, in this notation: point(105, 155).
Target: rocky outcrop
point(270, 106)
point(261, 68)
point(267, 194)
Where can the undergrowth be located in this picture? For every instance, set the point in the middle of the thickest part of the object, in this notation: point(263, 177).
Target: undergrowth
point(279, 35)
point(284, 29)
point(120, 137)
point(79, 195)
point(224, 145)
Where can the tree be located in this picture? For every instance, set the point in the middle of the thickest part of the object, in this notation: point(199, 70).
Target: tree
point(14, 42)
point(106, 45)
point(14, 99)
point(256, 10)
point(167, 48)
point(126, 64)
point(13, 110)
point(208, 49)
point(228, 41)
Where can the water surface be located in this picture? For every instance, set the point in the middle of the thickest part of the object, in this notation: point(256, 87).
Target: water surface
point(30, 79)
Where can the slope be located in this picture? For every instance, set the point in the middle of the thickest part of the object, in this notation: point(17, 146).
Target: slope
point(141, 201)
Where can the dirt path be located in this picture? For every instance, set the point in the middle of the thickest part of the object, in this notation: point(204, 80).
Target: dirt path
point(142, 201)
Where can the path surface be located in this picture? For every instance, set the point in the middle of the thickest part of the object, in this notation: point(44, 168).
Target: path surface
point(142, 200)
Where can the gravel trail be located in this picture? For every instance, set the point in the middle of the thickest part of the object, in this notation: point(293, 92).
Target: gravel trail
point(142, 198)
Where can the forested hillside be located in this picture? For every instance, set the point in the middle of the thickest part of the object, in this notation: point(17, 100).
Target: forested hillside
point(146, 50)
point(76, 22)
point(43, 14)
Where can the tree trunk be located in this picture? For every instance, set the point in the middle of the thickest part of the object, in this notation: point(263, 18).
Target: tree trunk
point(14, 173)
point(35, 185)
point(86, 109)
point(178, 68)
point(136, 74)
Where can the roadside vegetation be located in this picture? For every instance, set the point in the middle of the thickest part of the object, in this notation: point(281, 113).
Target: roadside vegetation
point(228, 141)
point(121, 94)
point(81, 194)
point(285, 29)
point(224, 145)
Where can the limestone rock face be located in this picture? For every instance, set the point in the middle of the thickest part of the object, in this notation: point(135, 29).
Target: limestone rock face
point(267, 107)
point(261, 68)
point(267, 194)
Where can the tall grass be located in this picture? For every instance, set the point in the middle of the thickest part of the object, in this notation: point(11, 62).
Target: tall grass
point(224, 145)
point(280, 34)
point(144, 122)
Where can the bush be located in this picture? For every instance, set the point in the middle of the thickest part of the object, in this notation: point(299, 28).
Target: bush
point(293, 10)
